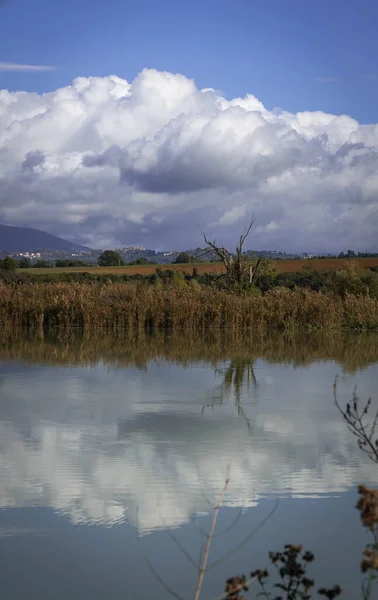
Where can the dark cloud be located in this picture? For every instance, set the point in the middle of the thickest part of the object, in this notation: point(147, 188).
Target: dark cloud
point(33, 159)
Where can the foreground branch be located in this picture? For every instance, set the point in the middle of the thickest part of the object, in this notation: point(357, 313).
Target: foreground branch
point(356, 417)
point(210, 535)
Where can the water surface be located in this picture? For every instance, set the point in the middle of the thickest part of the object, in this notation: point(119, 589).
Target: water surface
point(114, 447)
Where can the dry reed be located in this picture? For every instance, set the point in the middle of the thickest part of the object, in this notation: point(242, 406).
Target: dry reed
point(184, 306)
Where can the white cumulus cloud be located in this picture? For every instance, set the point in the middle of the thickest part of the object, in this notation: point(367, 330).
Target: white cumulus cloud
point(110, 162)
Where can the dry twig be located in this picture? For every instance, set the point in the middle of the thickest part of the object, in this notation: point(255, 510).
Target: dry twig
point(355, 417)
point(210, 535)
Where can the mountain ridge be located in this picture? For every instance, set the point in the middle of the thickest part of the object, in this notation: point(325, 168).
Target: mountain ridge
point(28, 239)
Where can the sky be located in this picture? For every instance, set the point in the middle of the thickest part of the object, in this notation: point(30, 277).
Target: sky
point(131, 122)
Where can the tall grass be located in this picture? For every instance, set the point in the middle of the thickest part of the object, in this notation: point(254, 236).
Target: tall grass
point(185, 306)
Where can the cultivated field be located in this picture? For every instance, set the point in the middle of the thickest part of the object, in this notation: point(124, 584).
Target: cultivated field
point(281, 266)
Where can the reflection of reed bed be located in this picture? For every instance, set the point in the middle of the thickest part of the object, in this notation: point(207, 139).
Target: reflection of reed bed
point(188, 305)
point(121, 348)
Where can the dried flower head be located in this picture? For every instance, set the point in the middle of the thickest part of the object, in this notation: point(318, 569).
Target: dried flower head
point(331, 592)
point(368, 506)
point(308, 556)
point(260, 574)
point(234, 585)
point(290, 548)
point(274, 556)
point(370, 560)
point(307, 583)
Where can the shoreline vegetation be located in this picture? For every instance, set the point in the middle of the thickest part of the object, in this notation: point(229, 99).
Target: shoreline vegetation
point(181, 306)
point(184, 305)
point(239, 293)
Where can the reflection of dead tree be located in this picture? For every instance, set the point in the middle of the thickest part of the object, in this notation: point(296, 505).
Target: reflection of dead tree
point(239, 370)
point(237, 373)
point(239, 269)
point(203, 566)
point(244, 417)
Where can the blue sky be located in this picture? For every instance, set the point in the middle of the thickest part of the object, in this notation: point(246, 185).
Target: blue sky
point(138, 119)
point(293, 54)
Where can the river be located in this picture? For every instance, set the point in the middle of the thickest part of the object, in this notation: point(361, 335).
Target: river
point(114, 449)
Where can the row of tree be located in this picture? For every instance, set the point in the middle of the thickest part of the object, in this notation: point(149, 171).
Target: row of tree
point(11, 264)
point(109, 258)
point(112, 258)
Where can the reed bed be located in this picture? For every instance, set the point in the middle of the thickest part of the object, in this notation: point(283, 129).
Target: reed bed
point(135, 306)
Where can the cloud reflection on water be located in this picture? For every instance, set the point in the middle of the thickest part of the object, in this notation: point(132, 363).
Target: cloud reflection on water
point(98, 444)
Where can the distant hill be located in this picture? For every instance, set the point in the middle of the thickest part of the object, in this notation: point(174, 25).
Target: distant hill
point(25, 239)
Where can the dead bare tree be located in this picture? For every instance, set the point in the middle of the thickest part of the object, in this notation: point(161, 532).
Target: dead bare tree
point(239, 270)
point(239, 372)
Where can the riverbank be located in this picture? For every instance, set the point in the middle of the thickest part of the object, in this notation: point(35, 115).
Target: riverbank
point(189, 305)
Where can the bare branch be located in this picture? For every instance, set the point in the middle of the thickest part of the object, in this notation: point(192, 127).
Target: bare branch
point(152, 568)
point(201, 491)
point(179, 545)
point(246, 233)
point(246, 539)
point(236, 264)
point(210, 535)
point(220, 251)
point(201, 531)
point(203, 536)
point(354, 418)
point(161, 580)
point(231, 526)
point(253, 272)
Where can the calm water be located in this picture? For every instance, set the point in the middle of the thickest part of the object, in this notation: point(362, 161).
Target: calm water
point(113, 447)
